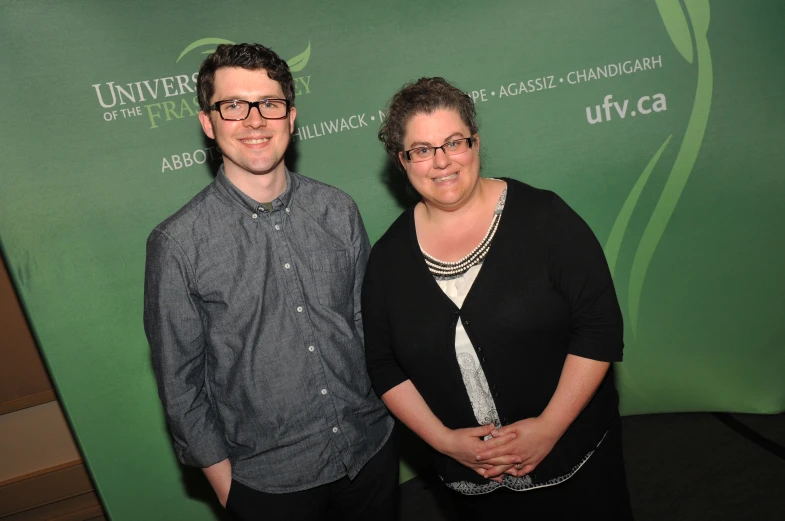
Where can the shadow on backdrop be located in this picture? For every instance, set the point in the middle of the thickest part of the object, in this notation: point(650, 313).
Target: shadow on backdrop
point(394, 179)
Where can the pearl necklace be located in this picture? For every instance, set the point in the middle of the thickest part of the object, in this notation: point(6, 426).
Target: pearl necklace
point(441, 268)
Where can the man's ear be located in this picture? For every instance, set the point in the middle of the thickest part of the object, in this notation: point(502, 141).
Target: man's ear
point(207, 124)
point(292, 115)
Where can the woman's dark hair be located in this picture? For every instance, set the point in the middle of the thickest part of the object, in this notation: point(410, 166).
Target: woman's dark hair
point(423, 96)
point(251, 56)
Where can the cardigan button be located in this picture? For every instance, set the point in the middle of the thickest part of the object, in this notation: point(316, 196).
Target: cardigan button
point(482, 359)
point(479, 349)
point(465, 322)
point(496, 394)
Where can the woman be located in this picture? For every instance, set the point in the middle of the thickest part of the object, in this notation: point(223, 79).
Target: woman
point(490, 324)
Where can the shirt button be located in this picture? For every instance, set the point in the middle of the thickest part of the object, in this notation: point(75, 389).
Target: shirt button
point(299, 309)
point(323, 391)
point(287, 265)
point(335, 430)
point(254, 215)
point(311, 349)
point(287, 210)
point(277, 227)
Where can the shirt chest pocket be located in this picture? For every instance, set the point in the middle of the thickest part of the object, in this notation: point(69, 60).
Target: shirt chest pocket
point(334, 277)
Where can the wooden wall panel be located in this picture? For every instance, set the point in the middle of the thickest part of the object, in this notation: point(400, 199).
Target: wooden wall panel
point(45, 487)
point(42, 476)
point(24, 381)
point(83, 507)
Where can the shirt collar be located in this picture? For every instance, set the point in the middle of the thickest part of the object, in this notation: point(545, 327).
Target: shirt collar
point(239, 198)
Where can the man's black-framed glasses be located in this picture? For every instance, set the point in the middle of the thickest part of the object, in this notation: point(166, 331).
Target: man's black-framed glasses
point(451, 148)
point(240, 109)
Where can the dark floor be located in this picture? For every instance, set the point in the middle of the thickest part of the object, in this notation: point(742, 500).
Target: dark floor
point(692, 467)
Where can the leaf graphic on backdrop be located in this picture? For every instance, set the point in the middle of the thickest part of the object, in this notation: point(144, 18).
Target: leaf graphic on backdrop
point(613, 245)
point(299, 62)
point(676, 24)
point(685, 159)
point(200, 43)
point(700, 14)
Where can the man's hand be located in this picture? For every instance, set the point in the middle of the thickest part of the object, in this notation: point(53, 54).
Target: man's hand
point(220, 477)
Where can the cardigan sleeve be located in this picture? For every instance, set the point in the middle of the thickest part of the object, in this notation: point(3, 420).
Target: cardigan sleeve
point(383, 368)
point(579, 271)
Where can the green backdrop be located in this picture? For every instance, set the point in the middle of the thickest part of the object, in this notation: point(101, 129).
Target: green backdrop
point(660, 122)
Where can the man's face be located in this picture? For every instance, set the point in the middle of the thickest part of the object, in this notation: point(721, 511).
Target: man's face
point(254, 146)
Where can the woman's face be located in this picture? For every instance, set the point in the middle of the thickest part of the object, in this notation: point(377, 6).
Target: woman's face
point(444, 181)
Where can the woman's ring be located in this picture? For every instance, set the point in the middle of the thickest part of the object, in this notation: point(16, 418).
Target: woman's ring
point(519, 466)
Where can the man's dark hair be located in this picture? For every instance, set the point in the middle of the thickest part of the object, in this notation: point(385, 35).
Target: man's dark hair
point(423, 96)
point(251, 56)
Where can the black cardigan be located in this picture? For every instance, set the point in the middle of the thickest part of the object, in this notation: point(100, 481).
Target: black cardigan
point(544, 291)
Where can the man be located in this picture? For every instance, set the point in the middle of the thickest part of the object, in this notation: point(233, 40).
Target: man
point(252, 311)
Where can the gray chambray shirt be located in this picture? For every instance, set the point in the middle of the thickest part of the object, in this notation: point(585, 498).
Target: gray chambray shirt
point(254, 324)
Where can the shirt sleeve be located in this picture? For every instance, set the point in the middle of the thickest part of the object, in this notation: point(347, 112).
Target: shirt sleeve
point(362, 249)
point(178, 346)
point(579, 272)
point(383, 368)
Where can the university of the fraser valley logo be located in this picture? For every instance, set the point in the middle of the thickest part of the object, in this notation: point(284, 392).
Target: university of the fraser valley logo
point(172, 98)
